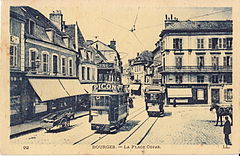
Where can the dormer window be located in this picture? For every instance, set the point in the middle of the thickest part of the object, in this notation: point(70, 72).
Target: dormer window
point(51, 33)
point(31, 27)
point(66, 41)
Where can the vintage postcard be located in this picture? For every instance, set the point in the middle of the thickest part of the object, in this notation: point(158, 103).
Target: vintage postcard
point(119, 77)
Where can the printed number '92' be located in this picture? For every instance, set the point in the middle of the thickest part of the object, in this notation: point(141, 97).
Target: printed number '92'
point(25, 147)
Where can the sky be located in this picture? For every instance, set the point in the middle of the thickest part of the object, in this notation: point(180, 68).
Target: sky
point(113, 19)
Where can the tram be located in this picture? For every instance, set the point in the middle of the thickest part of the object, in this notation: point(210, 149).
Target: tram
point(154, 100)
point(109, 107)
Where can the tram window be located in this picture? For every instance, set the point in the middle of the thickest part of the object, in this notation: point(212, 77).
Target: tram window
point(107, 100)
point(102, 100)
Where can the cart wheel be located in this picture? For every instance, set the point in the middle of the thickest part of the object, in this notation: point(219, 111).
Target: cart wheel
point(64, 123)
point(47, 129)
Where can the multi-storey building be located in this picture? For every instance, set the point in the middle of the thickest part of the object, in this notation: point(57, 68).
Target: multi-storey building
point(195, 61)
point(109, 62)
point(140, 72)
point(42, 64)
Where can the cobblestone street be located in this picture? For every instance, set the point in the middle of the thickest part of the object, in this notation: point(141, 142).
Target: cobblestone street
point(180, 125)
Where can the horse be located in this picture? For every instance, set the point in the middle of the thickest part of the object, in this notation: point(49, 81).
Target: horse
point(222, 111)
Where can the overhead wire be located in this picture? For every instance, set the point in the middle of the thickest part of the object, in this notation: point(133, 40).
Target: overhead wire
point(194, 17)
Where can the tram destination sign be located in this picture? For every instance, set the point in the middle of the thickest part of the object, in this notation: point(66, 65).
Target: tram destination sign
point(107, 87)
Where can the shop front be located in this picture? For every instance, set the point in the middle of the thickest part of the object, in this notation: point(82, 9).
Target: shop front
point(56, 94)
point(187, 94)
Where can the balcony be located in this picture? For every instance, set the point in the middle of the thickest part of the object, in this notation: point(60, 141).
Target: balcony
point(181, 69)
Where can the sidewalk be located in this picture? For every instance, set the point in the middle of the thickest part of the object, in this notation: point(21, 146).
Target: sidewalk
point(35, 125)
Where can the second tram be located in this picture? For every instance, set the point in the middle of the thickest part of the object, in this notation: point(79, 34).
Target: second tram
point(109, 107)
point(154, 99)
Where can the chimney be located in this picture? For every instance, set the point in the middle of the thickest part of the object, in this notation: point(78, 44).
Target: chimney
point(170, 20)
point(57, 18)
point(113, 44)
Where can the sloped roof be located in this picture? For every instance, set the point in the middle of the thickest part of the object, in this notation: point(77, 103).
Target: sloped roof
point(104, 47)
point(199, 26)
point(42, 24)
point(70, 30)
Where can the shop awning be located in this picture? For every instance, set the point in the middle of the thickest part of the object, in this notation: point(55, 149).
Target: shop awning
point(48, 89)
point(87, 88)
point(179, 92)
point(72, 86)
point(134, 87)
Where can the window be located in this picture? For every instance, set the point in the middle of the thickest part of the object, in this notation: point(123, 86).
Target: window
point(88, 73)
point(200, 79)
point(178, 62)
point(228, 95)
point(213, 43)
point(13, 56)
point(33, 58)
point(83, 73)
point(227, 78)
point(215, 62)
point(215, 79)
point(227, 61)
point(177, 43)
point(64, 66)
point(93, 74)
point(179, 78)
point(45, 63)
point(200, 43)
point(55, 64)
point(220, 45)
point(70, 67)
point(200, 94)
point(200, 61)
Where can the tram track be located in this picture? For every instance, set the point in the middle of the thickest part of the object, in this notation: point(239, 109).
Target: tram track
point(137, 129)
point(97, 134)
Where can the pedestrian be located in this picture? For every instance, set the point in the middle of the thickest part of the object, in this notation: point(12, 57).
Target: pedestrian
point(227, 131)
point(130, 102)
point(174, 102)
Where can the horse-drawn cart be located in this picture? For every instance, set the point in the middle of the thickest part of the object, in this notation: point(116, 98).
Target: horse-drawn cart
point(59, 119)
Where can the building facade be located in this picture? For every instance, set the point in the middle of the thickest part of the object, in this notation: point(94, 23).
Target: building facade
point(195, 61)
point(109, 64)
point(43, 65)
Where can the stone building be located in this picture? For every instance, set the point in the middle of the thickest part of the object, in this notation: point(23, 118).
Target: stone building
point(43, 64)
point(109, 64)
point(194, 61)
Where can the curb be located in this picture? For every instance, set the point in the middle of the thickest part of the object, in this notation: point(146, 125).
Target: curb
point(38, 128)
point(25, 132)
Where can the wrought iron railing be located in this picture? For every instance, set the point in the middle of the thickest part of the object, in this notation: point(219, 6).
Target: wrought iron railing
point(195, 69)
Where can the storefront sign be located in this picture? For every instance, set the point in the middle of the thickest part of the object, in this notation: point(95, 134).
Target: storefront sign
point(105, 65)
point(107, 87)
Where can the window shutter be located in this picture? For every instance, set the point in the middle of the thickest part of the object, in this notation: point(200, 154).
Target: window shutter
point(210, 78)
point(217, 61)
point(174, 43)
point(198, 61)
point(224, 43)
